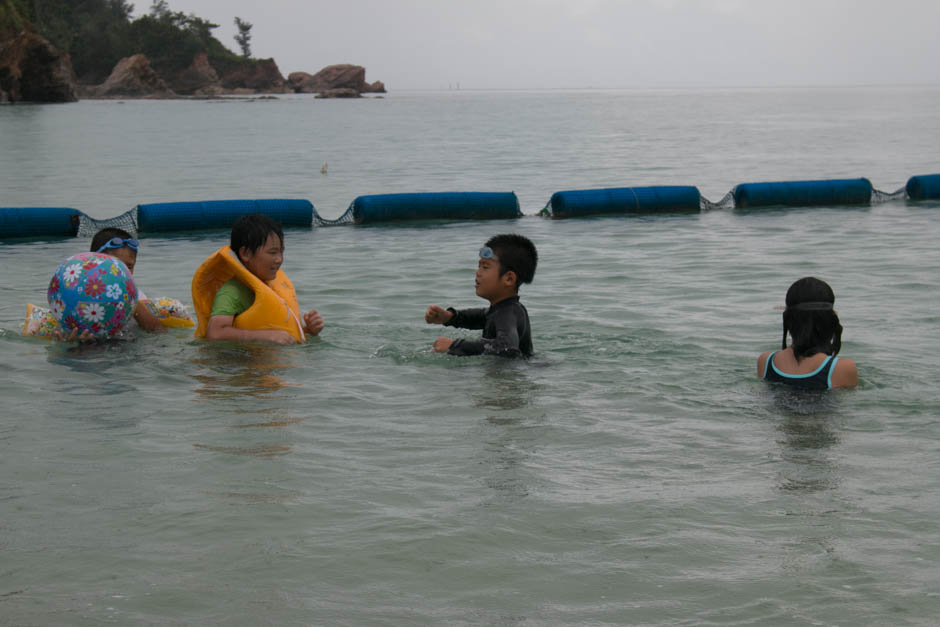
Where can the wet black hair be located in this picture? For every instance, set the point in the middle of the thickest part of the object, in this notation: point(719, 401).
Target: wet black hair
point(810, 319)
point(252, 231)
point(104, 236)
point(516, 253)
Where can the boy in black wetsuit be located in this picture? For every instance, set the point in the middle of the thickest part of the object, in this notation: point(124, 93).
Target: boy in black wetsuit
point(506, 261)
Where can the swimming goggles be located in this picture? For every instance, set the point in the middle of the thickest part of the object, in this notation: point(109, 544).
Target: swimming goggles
point(117, 242)
point(487, 253)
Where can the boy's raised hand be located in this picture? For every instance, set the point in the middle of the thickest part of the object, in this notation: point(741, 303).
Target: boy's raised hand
point(314, 322)
point(442, 344)
point(437, 315)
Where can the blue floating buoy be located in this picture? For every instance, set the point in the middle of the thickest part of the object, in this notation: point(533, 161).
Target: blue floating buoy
point(38, 222)
point(624, 200)
point(804, 193)
point(219, 214)
point(435, 206)
point(923, 186)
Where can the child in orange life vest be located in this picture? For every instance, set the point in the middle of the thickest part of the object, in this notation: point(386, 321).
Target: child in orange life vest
point(258, 242)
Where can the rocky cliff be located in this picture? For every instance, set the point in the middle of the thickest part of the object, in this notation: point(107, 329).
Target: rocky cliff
point(211, 77)
point(33, 70)
point(260, 76)
point(134, 77)
point(98, 33)
point(199, 79)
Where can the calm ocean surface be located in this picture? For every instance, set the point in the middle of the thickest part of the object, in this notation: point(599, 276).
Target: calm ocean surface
point(634, 472)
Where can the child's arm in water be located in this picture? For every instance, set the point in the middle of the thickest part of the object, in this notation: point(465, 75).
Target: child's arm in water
point(220, 328)
point(761, 364)
point(313, 322)
point(146, 320)
point(437, 315)
point(465, 318)
point(505, 323)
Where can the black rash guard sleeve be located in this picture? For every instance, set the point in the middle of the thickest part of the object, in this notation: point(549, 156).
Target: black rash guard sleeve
point(467, 318)
point(501, 330)
point(463, 348)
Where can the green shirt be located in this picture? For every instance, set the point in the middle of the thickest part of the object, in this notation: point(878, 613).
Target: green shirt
point(233, 298)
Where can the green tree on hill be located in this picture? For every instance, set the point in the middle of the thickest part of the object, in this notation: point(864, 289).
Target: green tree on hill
point(87, 29)
point(14, 15)
point(99, 37)
point(243, 38)
point(99, 33)
point(170, 39)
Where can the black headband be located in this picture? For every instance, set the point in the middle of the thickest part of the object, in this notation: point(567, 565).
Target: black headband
point(811, 306)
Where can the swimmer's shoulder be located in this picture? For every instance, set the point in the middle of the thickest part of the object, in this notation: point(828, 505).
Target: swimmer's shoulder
point(762, 362)
point(844, 374)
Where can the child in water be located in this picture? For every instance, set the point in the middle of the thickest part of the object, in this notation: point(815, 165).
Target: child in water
point(258, 242)
point(506, 261)
point(119, 243)
point(810, 361)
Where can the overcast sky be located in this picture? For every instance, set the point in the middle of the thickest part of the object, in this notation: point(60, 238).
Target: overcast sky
point(499, 44)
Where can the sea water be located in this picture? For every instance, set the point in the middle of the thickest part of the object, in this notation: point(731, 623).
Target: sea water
point(635, 471)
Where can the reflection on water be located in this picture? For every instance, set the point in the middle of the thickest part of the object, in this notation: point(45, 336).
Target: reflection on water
point(243, 378)
point(808, 422)
point(99, 392)
point(510, 438)
point(505, 386)
point(808, 426)
point(505, 457)
point(229, 371)
point(100, 360)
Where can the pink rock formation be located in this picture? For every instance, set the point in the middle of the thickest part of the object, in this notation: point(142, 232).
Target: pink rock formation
point(261, 76)
point(132, 77)
point(200, 78)
point(342, 76)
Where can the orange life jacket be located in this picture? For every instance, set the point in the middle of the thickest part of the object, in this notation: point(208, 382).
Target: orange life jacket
point(275, 305)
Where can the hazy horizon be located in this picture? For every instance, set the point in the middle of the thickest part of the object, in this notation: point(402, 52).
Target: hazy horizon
point(594, 44)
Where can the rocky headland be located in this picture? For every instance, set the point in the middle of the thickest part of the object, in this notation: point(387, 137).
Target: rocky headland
point(34, 70)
